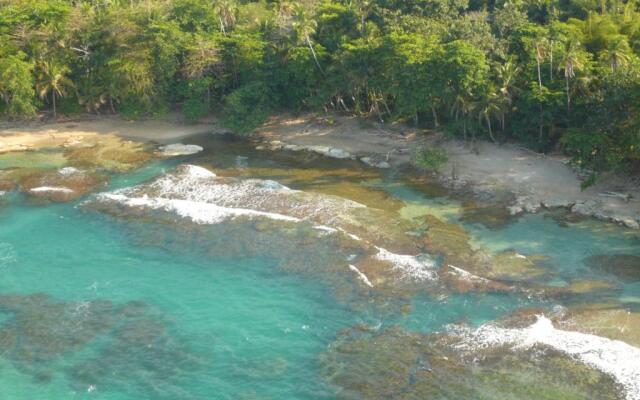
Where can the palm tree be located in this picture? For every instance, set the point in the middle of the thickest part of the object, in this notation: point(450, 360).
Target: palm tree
point(491, 105)
point(226, 10)
point(540, 47)
point(617, 53)
point(305, 26)
point(549, 45)
point(507, 74)
point(52, 78)
point(461, 108)
point(570, 63)
point(364, 8)
point(284, 9)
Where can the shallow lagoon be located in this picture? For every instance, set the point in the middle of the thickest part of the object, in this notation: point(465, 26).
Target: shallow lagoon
point(104, 307)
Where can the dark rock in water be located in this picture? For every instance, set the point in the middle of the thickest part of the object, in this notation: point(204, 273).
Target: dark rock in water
point(121, 340)
point(492, 216)
point(6, 184)
point(62, 185)
point(564, 217)
point(44, 377)
point(143, 351)
point(396, 364)
point(625, 267)
point(40, 330)
point(110, 153)
point(613, 321)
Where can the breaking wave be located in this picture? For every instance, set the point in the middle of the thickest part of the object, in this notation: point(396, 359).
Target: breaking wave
point(612, 357)
point(199, 195)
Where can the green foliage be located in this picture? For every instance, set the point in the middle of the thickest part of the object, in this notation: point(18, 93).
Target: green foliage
point(133, 107)
point(588, 147)
point(337, 23)
point(197, 94)
point(247, 107)
point(430, 158)
point(17, 93)
point(552, 74)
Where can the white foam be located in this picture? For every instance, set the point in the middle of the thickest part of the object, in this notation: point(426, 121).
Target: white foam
point(2, 192)
point(179, 149)
point(416, 267)
point(198, 212)
point(59, 189)
point(326, 229)
point(361, 275)
point(197, 172)
point(466, 275)
point(7, 254)
point(613, 357)
point(351, 235)
point(197, 185)
point(68, 171)
point(269, 184)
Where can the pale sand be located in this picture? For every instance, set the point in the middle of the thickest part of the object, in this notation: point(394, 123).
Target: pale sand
point(536, 180)
point(36, 135)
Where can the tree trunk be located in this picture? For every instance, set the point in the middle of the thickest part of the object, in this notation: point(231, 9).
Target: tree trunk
point(386, 106)
point(113, 109)
point(313, 52)
point(551, 61)
point(489, 127)
point(538, 63)
point(464, 128)
point(540, 125)
point(224, 32)
point(435, 116)
point(474, 146)
point(566, 78)
point(53, 97)
point(377, 109)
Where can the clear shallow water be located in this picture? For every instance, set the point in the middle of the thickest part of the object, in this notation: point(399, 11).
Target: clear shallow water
point(135, 309)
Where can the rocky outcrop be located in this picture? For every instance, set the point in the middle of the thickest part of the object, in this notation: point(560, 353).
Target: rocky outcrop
point(179, 149)
point(63, 185)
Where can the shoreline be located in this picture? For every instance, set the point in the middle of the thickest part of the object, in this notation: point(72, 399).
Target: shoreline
point(164, 130)
point(536, 181)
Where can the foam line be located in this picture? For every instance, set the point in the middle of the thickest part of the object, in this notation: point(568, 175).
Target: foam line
point(613, 357)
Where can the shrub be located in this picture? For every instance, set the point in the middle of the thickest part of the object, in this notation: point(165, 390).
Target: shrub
point(246, 108)
point(430, 158)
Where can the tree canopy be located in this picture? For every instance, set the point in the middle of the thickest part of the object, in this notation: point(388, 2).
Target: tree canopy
point(551, 74)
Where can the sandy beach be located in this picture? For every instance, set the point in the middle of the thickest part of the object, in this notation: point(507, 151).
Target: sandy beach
point(536, 181)
point(16, 137)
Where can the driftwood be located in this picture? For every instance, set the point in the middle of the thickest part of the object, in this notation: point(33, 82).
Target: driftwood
point(624, 196)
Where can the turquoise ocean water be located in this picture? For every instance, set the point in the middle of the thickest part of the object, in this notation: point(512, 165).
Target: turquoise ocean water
point(92, 309)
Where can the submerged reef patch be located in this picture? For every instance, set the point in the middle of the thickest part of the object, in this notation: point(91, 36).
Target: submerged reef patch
point(625, 267)
point(267, 217)
point(395, 363)
point(108, 341)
